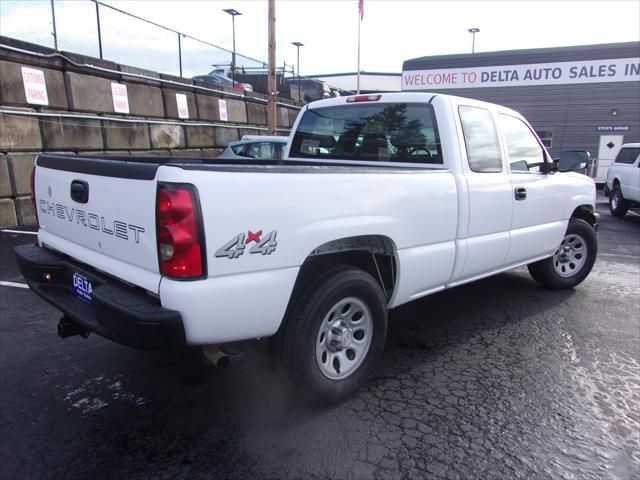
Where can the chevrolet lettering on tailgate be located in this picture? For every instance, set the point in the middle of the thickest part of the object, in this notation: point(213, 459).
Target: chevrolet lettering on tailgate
point(91, 220)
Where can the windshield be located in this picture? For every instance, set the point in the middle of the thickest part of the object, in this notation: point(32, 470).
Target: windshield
point(385, 132)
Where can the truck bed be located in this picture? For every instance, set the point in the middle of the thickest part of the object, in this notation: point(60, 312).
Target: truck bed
point(144, 168)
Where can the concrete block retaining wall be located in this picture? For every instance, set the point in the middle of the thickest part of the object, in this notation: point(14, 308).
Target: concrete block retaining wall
point(80, 117)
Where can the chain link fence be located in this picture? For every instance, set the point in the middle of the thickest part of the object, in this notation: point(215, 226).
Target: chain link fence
point(100, 30)
point(96, 29)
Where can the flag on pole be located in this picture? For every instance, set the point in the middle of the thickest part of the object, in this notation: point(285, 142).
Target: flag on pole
point(361, 11)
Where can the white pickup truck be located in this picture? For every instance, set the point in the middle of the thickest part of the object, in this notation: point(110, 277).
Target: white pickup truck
point(623, 180)
point(380, 200)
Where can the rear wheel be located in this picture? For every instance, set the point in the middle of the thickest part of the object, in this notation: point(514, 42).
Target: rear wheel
point(572, 261)
point(617, 204)
point(333, 335)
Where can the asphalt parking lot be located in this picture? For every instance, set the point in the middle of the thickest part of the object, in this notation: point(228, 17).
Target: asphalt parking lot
point(496, 379)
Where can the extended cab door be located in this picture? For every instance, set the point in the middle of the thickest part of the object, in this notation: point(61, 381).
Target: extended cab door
point(537, 226)
point(489, 190)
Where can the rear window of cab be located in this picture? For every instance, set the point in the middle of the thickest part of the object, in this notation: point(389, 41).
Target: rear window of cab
point(380, 132)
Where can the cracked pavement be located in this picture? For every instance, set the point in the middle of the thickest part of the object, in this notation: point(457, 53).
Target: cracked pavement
point(496, 379)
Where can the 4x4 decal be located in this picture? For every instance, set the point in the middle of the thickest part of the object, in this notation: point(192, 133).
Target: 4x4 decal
point(235, 247)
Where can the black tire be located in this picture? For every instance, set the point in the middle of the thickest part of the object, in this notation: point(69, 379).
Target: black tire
point(544, 271)
point(617, 204)
point(295, 343)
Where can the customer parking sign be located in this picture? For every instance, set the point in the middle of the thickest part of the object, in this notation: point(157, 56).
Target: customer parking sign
point(35, 87)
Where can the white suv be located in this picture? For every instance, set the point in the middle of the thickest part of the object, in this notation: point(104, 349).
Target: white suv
point(623, 180)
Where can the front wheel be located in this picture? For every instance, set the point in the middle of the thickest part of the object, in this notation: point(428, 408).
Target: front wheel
point(333, 335)
point(572, 261)
point(617, 203)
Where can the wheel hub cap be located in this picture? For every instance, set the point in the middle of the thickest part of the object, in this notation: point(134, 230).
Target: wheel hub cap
point(339, 336)
point(566, 254)
point(344, 338)
point(571, 256)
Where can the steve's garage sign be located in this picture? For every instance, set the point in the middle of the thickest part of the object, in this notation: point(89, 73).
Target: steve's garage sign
point(592, 71)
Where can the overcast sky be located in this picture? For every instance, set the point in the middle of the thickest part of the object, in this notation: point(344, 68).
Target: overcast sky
point(392, 30)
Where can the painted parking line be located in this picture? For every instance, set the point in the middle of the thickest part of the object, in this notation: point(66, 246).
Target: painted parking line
point(633, 213)
point(18, 231)
point(14, 284)
point(618, 255)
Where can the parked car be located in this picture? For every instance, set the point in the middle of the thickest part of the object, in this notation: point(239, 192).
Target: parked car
point(379, 200)
point(219, 79)
point(260, 147)
point(623, 180)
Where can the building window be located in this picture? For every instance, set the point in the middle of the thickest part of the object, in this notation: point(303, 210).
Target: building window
point(546, 137)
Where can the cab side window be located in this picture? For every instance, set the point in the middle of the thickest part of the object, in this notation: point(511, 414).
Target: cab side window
point(261, 151)
point(240, 150)
point(257, 150)
point(523, 148)
point(481, 139)
point(627, 155)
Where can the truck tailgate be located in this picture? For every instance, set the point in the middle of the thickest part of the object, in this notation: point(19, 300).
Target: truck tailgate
point(105, 218)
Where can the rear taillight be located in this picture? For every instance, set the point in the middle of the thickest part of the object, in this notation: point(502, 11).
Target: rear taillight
point(364, 98)
point(181, 247)
point(32, 182)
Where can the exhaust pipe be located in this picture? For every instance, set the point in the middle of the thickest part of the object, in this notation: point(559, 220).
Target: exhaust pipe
point(68, 328)
point(216, 356)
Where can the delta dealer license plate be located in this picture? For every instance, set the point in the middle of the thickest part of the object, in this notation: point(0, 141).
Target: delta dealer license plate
point(82, 287)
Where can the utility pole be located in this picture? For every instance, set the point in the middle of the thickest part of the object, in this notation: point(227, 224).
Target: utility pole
point(271, 84)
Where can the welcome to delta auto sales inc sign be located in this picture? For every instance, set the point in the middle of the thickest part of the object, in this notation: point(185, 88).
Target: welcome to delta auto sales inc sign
point(592, 71)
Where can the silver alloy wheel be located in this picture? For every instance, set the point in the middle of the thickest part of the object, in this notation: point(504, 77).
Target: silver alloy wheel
point(570, 256)
point(614, 199)
point(344, 338)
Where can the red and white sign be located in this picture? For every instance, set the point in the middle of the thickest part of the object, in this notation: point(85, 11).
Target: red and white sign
point(120, 98)
point(222, 108)
point(183, 106)
point(35, 87)
point(591, 71)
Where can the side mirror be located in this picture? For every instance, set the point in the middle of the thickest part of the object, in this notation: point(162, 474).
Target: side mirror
point(574, 161)
point(548, 166)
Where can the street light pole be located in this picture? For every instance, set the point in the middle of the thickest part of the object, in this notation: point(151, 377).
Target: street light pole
point(298, 45)
point(233, 14)
point(473, 32)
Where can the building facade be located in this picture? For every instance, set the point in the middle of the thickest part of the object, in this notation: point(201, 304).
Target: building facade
point(370, 82)
point(576, 98)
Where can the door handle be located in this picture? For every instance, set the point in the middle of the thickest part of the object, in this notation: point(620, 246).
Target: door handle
point(80, 191)
point(520, 193)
